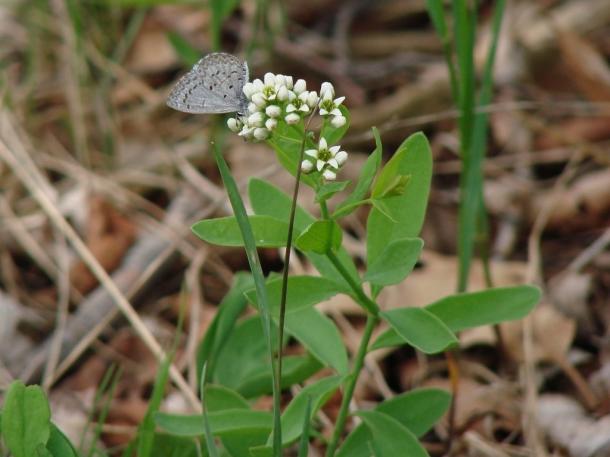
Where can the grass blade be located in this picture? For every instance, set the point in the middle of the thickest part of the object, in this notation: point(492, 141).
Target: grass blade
point(209, 438)
point(304, 442)
point(259, 282)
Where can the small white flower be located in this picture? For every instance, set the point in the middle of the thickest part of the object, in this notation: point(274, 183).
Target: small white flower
point(327, 91)
point(280, 80)
point(338, 121)
point(299, 86)
point(261, 133)
point(306, 166)
point(234, 125)
point(288, 82)
point(329, 175)
point(327, 160)
point(256, 119)
point(328, 106)
point(271, 124)
point(252, 108)
point(273, 111)
point(283, 93)
point(292, 118)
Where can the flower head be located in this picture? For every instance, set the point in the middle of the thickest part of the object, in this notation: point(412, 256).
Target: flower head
point(327, 160)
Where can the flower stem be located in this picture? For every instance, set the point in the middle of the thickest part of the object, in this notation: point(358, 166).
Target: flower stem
point(371, 322)
point(361, 297)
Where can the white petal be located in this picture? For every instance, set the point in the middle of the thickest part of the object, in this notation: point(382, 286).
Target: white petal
point(323, 112)
point(282, 94)
point(312, 153)
point(320, 164)
point(338, 101)
point(252, 108)
point(289, 83)
point(258, 84)
point(304, 108)
point(333, 150)
point(280, 80)
point(248, 90)
point(341, 157)
point(333, 163)
point(312, 99)
point(336, 112)
point(327, 88)
point(233, 124)
point(259, 100)
point(322, 143)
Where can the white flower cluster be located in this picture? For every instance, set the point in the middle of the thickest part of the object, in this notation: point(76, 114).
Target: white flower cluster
point(276, 98)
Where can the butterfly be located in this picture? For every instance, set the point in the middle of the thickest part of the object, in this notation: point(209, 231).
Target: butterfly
point(214, 85)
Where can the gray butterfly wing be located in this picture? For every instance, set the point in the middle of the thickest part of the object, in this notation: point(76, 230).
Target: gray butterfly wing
point(214, 85)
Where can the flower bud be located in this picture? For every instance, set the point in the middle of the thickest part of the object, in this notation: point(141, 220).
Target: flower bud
point(269, 79)
point(312, 99)
point(234, 125)
point(306, 166)
point(259, 100)
point(252, 108)
point(292, 118)
point(261, 133)
point(280, 80)
point(329, 175)
point(327, 91)
point(258, 85)
point(282, 94)
point(300, 86)
point(341, 157)
point(288, 82)
point(271, 124)
point(273, 111)
point(338, 121)
point(249, 90)
point(256, 119)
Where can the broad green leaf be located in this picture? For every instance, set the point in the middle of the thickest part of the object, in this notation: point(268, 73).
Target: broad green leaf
point(320, 237)
point(221, 422)
point(364, 181)
point(420, 329)
point(317, 394)
point(389, 438)
point(224, 231)
point(25, 419)
point(418, 410)
point(333, 135)
point(219, 398)
point(389, 338)
point(295, 369)
point(303, 292)
point(490, 306)
point(413, 158)
point(329, 189)
point(395, 262)
point(59, 445)
point(167, 445)
point(42, 451)
point(320, 336)
point(268, 200)
point(222, 326)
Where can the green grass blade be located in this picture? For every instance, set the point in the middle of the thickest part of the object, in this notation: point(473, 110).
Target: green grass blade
point(436, 11)
point(304, 442)
point(259, 282)
point(209, 438)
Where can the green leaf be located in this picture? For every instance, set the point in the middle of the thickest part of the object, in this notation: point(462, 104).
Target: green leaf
point(319, 335)
point(395, 262)
point(268, 200)
point(304, 441)
point(303, 292)
point(320, 237)
point(395, 187)
point(418, 410)
point(174, 446)
point(473, 309)
point(224, 321)
point(413, 158)
point(329, 189)
point(380, 204)
point(317, 393)
point(221, 422)
point(420, 329)
point(333, 135)
point(25, 419)
point(389, 438)
point(59, 445)
point(490, 306)
point(219, 398)
point(224, 231)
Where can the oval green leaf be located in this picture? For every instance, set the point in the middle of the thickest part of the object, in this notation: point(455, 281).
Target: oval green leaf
point(320, 237)
point(224, 231)
point(389, 438)
point(395, 262)
point(420, 329)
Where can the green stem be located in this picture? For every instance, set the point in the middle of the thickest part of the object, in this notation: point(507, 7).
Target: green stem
point(371, 322)
point(361, 297)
